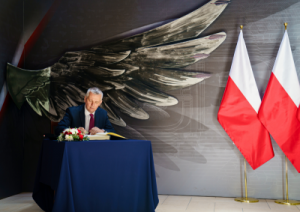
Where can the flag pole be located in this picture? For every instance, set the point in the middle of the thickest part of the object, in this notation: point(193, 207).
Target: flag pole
point(286, 201)
point(246, 199)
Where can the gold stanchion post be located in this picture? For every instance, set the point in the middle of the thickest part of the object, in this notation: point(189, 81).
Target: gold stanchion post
point(246, 198)
point(287, 201)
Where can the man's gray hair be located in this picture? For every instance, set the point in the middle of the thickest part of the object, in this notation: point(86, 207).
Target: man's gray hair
point(94, 90)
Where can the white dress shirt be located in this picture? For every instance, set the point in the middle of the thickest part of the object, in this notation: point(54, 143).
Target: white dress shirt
point(87, 119)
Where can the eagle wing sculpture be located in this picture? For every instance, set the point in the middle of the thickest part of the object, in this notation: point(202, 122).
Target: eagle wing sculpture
point(142, 67)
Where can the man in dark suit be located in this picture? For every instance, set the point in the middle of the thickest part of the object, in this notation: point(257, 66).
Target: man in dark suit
point(89, 117)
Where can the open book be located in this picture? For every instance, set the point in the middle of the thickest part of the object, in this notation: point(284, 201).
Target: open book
point(99, 136)
point(105, 136)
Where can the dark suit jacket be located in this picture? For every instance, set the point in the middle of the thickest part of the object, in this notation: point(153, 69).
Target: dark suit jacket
point(75, 117)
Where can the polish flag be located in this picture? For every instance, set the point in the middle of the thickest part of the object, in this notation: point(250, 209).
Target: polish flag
point(239, 108)
point(299, 112)
point(278, 111)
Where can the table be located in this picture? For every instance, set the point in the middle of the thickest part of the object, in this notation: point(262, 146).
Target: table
point(96, 176)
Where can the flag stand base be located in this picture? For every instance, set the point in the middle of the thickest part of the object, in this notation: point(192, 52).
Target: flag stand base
point(287, 202)
point(247, 200)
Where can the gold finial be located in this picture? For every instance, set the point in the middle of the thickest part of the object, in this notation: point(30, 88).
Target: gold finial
point(285, 25)
point(241, 26)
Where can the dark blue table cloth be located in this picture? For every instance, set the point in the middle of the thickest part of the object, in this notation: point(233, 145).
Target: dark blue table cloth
point(96, 176)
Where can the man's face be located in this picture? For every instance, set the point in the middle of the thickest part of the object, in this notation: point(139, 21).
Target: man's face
point(92, 102)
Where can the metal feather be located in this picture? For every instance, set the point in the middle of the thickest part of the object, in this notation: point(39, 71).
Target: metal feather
point(138, 68)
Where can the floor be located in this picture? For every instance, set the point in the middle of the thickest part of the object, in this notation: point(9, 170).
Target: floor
point(24, 203)
point(19, 203)
point(217, 204)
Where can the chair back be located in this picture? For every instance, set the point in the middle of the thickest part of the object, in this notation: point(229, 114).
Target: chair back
point(53, 126)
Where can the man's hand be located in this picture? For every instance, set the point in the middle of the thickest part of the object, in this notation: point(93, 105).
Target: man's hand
point(95, 130)
point(82, 130)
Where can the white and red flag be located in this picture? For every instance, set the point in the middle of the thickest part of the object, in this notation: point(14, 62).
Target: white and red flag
point(239, 107)
point(299, 112)
point(278, 111)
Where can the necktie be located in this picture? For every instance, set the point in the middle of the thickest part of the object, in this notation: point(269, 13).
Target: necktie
point(92, 122)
